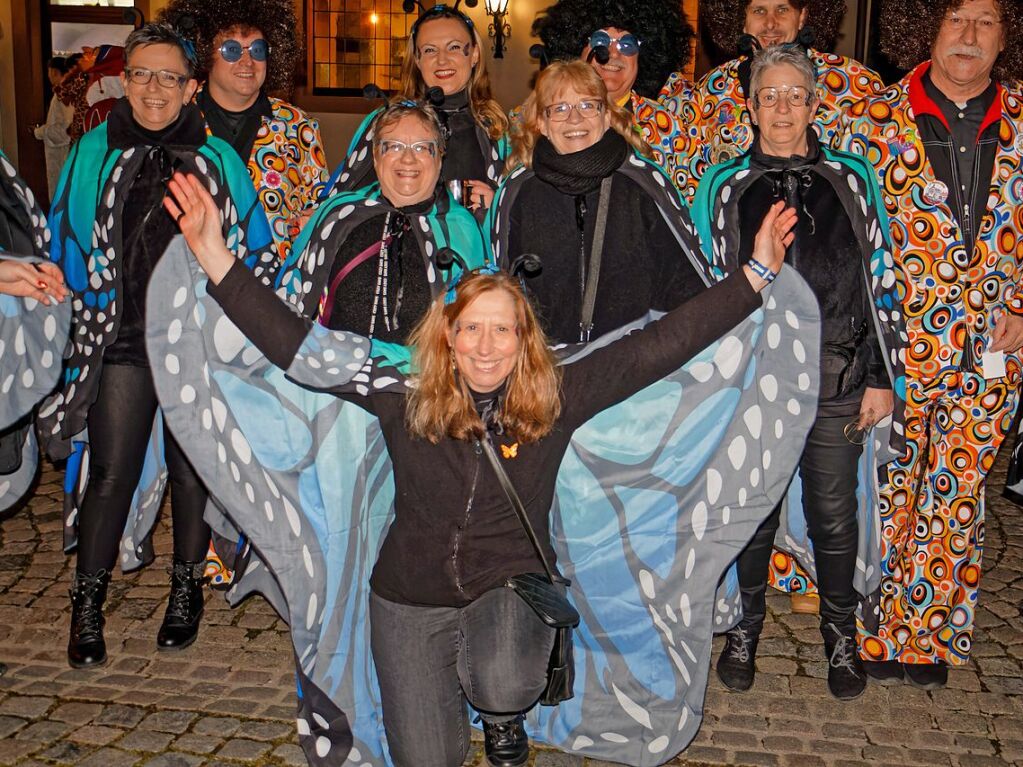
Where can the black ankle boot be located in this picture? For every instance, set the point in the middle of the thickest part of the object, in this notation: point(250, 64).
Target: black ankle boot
point(85, 646)
point(506, 743)
point(737, 663)
point(846, 677)
point(181, 621)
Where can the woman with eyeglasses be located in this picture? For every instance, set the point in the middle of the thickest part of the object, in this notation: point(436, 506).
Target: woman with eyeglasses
point(444, 627)
point(445, 65)
point(600, 218)
point(109, 229)
point(246, 51)
point(635, 48)
point(841, 249)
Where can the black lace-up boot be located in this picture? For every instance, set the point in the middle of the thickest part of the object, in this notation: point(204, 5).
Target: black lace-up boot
point(506, 743)
point(85, 647)
point(846, 677)
point(737, 663)
point(181, 621)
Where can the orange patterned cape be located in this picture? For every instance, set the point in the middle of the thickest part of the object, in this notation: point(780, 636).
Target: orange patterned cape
point(288, 168)
point(925, 236)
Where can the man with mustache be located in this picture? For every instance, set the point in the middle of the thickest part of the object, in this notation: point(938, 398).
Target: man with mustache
point(946, 144)
point(724, 129)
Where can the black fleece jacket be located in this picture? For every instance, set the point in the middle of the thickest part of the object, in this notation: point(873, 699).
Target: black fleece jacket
point(454, 535)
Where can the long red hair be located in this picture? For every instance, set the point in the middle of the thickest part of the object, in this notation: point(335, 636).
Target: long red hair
point(441, 405)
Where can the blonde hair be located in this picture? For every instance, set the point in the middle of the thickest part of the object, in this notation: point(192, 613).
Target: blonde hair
point(485, 110)
point(441, 405)
point(582, 78)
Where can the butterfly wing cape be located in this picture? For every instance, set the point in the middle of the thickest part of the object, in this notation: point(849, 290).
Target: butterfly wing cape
point(32, 341)
point(708, 451)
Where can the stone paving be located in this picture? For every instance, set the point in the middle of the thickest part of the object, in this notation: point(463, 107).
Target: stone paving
point(229, 699)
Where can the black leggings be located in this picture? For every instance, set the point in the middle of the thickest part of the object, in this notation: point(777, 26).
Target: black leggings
point(119, 424)
point(828, 470)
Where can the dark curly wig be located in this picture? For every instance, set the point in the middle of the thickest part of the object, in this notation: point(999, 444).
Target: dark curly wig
point(725, 19)
point(565, 28)
point(910, 27)
point(202, 20)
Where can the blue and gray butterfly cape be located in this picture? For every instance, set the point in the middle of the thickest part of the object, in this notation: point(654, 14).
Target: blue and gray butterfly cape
point(303, 281)
point(654, 508)
point(356, 170)
point(85, 227)
point(32, 341)
point(716, 215)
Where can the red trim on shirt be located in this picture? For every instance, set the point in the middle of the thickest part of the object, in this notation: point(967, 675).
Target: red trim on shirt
point(922, 104)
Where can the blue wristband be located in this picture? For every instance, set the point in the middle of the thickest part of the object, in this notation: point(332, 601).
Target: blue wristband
point(762, 271)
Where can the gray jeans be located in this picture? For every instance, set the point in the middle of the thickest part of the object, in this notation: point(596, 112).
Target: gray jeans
point(431, 660)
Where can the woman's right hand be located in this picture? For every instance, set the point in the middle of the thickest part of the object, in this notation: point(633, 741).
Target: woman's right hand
point(774, 236)
point(197, 215)
point(44, 281)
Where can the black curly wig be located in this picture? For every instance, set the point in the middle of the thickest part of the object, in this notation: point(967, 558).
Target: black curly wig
point(565, 28)
point(202, 20)
point(725, 19)
point(910, 27)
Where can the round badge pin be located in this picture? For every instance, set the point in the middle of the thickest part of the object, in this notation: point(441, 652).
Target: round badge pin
point(935, 192)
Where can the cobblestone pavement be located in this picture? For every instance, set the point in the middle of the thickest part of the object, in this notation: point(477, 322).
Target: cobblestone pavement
point(229, 699)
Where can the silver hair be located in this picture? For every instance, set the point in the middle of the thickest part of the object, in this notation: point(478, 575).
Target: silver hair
point(158, 33)
point(776, 55)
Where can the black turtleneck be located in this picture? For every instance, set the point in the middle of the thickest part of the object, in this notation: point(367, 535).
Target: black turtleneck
point(825, 252)
point(236, 128)
point(643, 267)
point(146, 228)
point(407, 288)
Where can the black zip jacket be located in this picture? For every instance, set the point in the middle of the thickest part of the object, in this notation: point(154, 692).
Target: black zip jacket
point(454, 535)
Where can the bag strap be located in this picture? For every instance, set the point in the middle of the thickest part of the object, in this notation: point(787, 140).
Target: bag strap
point(593, 277)
point(368, 253)
point(516, 503)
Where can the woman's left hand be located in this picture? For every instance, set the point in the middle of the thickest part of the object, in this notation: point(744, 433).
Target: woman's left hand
point(44, 281)
point(481, 194)
point(876, 404)
point(193, 208)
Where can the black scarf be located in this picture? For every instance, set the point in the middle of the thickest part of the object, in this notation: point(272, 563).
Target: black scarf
point(790, 178)
point(238, 129)
point(124, 132)
point(579, 172)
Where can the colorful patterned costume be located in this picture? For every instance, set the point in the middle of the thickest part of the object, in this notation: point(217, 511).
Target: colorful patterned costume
point(288, 169)
point(312, 488)
point(932, 507)
point(853, 180)
point(669, 125)
point(32, 341)
point(724, 129)
point(85, 224)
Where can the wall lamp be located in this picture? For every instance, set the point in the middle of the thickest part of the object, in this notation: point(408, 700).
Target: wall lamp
point(499, 28)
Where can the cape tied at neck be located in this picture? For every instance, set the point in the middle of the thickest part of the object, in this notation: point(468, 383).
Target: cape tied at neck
point(579, 172)
point(124, 131)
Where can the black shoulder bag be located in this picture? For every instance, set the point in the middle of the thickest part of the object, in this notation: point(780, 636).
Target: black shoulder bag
point(540, 592)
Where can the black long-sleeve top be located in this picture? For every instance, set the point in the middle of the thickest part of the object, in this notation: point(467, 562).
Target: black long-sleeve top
point(454, 535)
point(642, 267)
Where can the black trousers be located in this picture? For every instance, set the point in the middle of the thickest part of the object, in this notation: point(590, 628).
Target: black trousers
point(828, 470)
point(119, 425)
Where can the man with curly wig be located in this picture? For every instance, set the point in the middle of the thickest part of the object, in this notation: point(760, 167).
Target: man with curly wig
point(635, 47)
point(247, 50)
point(724, 127)
point(946, 142)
